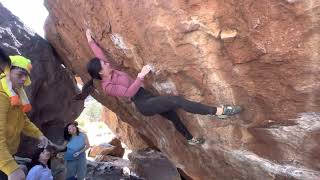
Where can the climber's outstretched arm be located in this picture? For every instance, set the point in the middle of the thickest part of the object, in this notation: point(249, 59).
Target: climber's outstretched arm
point(95, 48)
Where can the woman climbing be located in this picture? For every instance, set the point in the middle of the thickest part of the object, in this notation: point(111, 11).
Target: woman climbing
point(119, 84)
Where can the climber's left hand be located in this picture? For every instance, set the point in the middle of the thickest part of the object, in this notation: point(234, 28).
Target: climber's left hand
point(89, 35)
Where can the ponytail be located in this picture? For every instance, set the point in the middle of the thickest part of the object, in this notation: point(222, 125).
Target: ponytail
point(93, 68)
point(87, 89)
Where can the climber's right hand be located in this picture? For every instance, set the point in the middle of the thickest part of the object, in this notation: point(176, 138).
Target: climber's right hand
point(89, 35)
point(18, 174)
point(145, 70)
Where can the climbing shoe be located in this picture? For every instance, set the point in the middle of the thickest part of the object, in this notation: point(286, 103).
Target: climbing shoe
point(229, 110)
point(196, 141)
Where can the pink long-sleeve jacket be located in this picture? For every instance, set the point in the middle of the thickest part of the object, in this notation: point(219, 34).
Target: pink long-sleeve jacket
point(120, 84)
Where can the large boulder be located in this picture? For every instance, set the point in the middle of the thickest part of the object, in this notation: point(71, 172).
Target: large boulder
point(53, 86)
point(113, 148)
point(150, 164)
point(119, 150)
point(111, 170)
point(101, 149)
point(262, 54)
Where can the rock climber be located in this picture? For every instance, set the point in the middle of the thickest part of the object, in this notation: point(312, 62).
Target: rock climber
point(120, 84)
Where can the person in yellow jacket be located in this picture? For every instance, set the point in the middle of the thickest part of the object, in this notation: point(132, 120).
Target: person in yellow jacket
point(13, 120)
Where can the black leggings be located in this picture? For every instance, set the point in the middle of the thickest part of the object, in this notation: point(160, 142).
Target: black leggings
point(3, 176)
point(149, 105)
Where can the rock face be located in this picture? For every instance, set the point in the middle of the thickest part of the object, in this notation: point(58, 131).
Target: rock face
point(111, 170)
point(262, 54)
point(112, 148)
point(119, 150)
point(101, 149)
point(150, 164)
point(52, 85)
point(126, 133)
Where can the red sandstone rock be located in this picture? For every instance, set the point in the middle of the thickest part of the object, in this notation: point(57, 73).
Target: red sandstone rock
point(119, 150)
point(112, 148)
point(102, 149)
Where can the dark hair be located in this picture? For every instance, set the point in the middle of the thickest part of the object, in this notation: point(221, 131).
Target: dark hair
point(67, 136)
point(93, 68)
point(35, 159)
point(4, 58)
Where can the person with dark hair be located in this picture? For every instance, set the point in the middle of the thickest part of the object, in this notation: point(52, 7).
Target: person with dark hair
point(119, 84)
point(5, 63)
point(14, 104)
point(40, 166)
point(76, 143)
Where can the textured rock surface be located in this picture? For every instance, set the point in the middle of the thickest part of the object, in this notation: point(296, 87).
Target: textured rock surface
point(119, 150)
point(125, 132)
point(262, 54)
point(101, 149)
point(150, 164)
point(113, 148)
point(52, 85)
point(111, 170)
